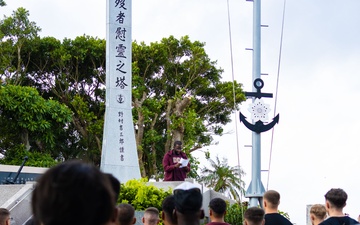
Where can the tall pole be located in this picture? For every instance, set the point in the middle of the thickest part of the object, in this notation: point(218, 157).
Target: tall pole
point(256, 188)
point(259, 111)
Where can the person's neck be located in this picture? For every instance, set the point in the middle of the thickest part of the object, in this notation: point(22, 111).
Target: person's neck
point(271, 210)
point(317, 221)
point(193, 219)
point(335, 212)
point(217, 219)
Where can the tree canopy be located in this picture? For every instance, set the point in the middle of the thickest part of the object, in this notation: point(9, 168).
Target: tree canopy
point(177, 92)
point(28, 119)
point(178, 95)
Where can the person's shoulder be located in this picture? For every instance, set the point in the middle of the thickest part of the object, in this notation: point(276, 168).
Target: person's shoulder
point(329, 221)
point(353, 221)
point(276, 218)
point(274, 215)
point(170, 152)
point(339, 220)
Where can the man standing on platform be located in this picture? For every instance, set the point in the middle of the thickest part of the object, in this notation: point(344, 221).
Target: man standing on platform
point(176, 164)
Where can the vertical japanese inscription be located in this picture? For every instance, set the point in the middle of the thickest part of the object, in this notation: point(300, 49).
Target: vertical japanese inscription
point(119, 153)
point(120, 48)
point(121, 136)
point(121, 58)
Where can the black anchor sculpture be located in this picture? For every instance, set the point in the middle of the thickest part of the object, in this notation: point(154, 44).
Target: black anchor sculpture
point(259, 126)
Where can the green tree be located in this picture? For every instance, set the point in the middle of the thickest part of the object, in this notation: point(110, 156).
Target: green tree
point(72, 72)
point(16, 155)
point(16, 31)
point(177, 90)
point(69, 71)
point(224, 178)
point(2, 3)
point(235, 212)
point(178, 95)
point(28, 119)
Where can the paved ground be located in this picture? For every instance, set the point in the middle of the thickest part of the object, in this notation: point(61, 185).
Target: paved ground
point(7, 191)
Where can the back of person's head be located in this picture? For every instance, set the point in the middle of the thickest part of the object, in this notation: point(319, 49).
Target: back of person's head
point(74, 193)
point(188, 198)
point(188, 203)
point(126, 214)
point(4, 216)
point(254, 216)
point(272, 197)
point(151, 216)
point(168, 206)
point(337, 197)
point(317, 212)
point(115, 184)
point(217, 207)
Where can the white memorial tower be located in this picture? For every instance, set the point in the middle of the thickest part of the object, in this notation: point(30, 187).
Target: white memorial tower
point(119, 154)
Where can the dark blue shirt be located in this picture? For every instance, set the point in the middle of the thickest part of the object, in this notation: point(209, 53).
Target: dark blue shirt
point(276, 219)
point(342, 220)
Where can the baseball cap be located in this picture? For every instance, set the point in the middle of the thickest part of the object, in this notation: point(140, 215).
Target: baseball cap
point(188, 197)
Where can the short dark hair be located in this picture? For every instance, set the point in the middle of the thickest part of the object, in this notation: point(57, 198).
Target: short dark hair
point(218, 206)
point(177, 143)
point(73, 193)
point(126, 214)
point(273, 197)
point(254, 215)
point(337, 197)
point(188, 201)
point(4, 215)
point(168, 206)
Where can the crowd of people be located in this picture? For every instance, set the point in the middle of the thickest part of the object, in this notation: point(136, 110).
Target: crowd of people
point(76, 193)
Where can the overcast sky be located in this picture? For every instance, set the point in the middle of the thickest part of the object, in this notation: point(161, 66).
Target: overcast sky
point(316, 143)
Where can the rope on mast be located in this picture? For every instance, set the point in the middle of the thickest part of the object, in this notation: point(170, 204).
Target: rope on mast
point(276, 92)
point(234, 97)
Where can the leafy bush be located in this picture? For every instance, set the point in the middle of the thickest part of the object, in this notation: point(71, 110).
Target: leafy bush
point(235, 212)
point(141, 196)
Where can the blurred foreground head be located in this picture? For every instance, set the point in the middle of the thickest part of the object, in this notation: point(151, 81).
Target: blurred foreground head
point(74, 193)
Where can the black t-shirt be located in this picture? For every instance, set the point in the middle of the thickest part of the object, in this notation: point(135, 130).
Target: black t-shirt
point(276, 219)
point(343, 220)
